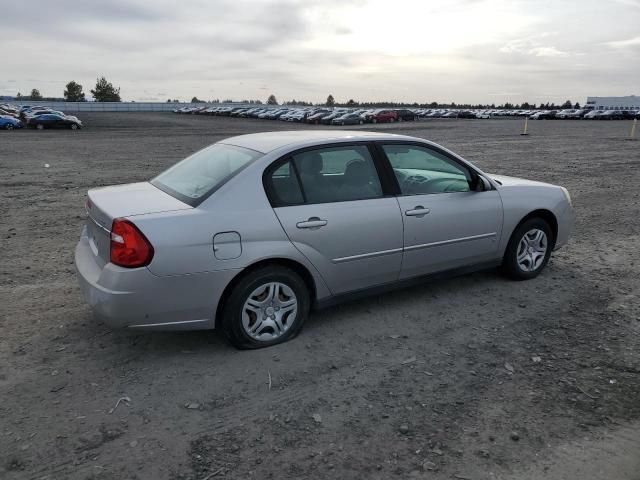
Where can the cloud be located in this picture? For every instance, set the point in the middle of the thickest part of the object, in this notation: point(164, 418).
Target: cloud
point(547, 52)
point(533, 45)
point(630, 42)
point(454, 50)
point(630, 3)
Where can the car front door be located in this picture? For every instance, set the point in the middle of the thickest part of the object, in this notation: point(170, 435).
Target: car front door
point(451, 219)
point(332, 207)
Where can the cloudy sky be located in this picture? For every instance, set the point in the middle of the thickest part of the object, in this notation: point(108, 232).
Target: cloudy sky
point(403, 50)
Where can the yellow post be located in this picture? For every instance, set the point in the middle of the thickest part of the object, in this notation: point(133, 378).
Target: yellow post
point(632, 134)
point(526, 123)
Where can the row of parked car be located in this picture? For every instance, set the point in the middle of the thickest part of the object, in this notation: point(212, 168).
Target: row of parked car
point(39, 117)
point(577, 113)
point(324, 116)
point(354, 116)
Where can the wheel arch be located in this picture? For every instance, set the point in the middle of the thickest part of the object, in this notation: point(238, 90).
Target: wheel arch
point(546, 215)
point(294, 265)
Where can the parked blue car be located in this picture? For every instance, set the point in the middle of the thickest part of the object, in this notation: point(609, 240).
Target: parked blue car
point(9, 123)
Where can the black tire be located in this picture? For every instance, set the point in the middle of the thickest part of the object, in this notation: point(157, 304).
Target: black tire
point(510, 266)
point(231, 323)
point(74, 126)
point(9, 126)
point(40, 126)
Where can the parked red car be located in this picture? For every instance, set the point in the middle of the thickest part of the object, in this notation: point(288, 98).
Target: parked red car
point(381, 116)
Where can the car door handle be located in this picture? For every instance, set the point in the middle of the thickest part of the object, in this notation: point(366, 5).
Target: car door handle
point(313, 222)
point(418, 211)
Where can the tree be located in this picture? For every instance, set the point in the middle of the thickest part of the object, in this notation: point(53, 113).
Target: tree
point(35, 94)
point(330, 101)
point(567, 104)
point(73, 92)
point(19, 96)
point(576, 106)
point(197, 100)
point(105, 91)
point(272, 100)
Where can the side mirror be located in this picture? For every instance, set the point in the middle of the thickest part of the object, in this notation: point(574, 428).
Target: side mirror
point(483, 184)
point(479, 183)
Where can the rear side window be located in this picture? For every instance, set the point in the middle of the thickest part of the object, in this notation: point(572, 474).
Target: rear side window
point(197, 176)
point(284, 186)
point(336, 174)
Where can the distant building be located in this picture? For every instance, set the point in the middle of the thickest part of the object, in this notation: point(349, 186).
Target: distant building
point(631, 102)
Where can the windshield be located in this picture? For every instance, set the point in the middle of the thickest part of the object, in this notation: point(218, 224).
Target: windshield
point(196, 177)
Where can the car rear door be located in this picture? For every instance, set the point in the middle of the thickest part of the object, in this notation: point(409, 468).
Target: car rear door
point(331, 204)
point(449, 222)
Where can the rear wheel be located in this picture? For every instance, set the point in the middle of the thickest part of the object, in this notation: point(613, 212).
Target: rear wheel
point(374, 121)
point(40, 126)
point(360, 122)
point(74, 126)
point(399, 119)
point(528, 250)
point(268, 306)
point(9, 126)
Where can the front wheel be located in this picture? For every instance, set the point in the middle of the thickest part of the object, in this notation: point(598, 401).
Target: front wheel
point(528, 250)
point(9, 126)
point(74, 126)
point(268, 306)
point(40, 126)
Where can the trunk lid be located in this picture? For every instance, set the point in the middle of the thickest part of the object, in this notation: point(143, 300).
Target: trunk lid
point(107, 203)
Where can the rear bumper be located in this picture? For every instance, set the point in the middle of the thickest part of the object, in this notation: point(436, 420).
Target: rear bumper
point(136, 298)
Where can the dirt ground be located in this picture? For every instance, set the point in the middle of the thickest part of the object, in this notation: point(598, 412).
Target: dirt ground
point(475, 377)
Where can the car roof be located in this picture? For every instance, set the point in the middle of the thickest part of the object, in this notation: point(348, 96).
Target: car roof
point(268, 141)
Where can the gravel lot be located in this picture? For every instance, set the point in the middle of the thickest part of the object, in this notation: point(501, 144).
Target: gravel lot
point(474, 378)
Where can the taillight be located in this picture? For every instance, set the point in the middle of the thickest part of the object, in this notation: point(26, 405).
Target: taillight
point(129, 247)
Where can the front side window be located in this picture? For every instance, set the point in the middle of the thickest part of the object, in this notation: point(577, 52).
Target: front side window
point(422, 171)
point(197, 176)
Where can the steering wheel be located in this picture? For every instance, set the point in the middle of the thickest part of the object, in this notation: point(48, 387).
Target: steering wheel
point(445, 185)
point(415, 183)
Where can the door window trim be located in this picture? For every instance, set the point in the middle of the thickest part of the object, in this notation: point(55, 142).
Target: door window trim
point(387, 187)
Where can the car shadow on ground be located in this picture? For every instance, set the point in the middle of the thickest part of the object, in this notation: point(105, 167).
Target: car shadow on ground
point(319, 324)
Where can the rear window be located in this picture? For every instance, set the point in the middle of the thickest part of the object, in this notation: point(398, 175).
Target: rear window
point(198, 176)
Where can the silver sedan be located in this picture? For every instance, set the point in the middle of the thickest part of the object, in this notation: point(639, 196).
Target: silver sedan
point(250, 233)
